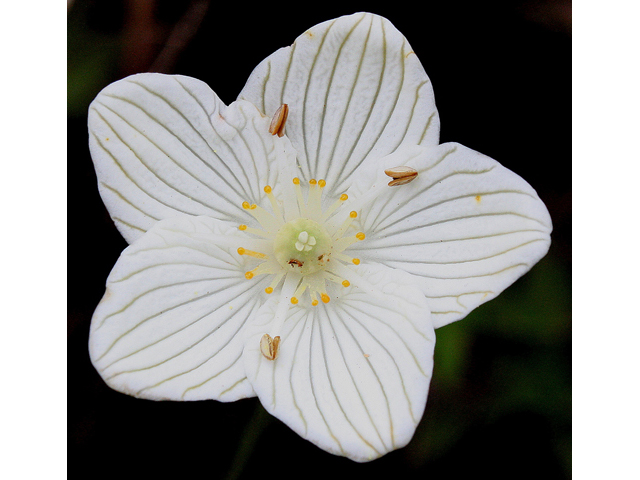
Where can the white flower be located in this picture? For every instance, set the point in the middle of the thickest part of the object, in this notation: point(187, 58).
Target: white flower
point(239, 237)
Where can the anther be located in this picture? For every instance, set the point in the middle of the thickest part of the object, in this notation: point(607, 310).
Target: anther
point(356, 261)
point(269, 346)
point(246, 205)
point(314, 302)
point(322, 183)
point(401, 175)
point(325, 298)
point(268, 290)
point(278, 120)
point(241, 251)
point(296, 181)
point(243, 228)
point(267, 189)
point(312, 181)
point(294, 300)
point(344, 197)
point(360, 236)
point(248, 275)
point(345, 283)
point(353, 214)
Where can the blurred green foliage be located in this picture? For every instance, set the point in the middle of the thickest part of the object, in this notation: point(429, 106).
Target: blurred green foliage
point(92, 56)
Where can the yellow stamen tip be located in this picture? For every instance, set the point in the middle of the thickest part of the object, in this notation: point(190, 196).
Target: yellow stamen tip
point(268, 290)
point(253, 207)
point(312, 181)
point(294, 300)
point(246, 205)
point(325, 298)
point(353, 214)
point(267, 189)
point(241, 251)
point(345, 283)
point(356, 261)
point(314, 302)
point(360, 236)
point(296, 181)
point(322, 183)
point(242, 227)
point(248, 275)
point(344, 196)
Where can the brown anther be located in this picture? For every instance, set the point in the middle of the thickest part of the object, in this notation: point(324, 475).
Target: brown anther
point(278, 120)
point(401, 175)
point(269, 346)
point(293, 262)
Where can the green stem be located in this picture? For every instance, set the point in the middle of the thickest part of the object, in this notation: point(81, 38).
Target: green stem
point(254, 428)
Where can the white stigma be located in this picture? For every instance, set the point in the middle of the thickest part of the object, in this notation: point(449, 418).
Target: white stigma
point(305, 242)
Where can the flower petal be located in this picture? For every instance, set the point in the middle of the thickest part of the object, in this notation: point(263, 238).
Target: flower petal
point(355, 91)
point(166, 144)
point(466, 227)
point(351, 376)
point(169, 325)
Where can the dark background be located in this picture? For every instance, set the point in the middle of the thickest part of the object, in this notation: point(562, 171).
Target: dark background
point(500, 400)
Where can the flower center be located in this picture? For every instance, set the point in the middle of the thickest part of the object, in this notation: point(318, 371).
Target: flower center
point(301, 242)
point(302, 246)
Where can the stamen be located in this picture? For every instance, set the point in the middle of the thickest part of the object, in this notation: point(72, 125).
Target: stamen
point(299, 291)
point(343, 243)
point(401, 175)
point(269, 267)
point(270, 223)
point(279, 118)
point(325, 298)
point(345, 283)
point(251, 253)
point(315, 199)
point(343, 198)
point(294, 300)
point(269, 346)
point(275, 282)
point(268, 290)
point(345, 225)
point(274, 204)
point(344, 258)
point(301, 205)
point(255, 231)
point(330, 276)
